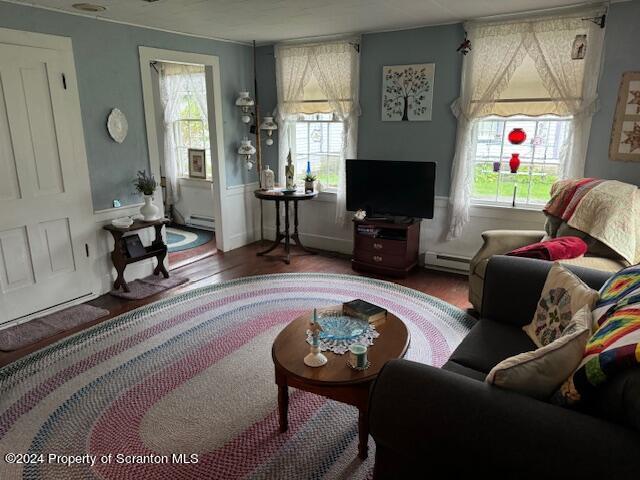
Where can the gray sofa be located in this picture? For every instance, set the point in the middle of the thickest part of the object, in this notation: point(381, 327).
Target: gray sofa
point(447, 422)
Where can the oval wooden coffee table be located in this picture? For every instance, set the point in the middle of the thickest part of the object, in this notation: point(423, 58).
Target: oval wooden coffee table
point(335, 380)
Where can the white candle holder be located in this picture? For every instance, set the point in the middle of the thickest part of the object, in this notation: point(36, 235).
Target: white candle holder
point(315, 358)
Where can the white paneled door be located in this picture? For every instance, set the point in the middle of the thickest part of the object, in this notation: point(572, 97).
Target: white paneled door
point(43, 193)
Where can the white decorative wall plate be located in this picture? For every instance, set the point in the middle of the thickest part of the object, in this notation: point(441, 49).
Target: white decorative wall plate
point(117, 125)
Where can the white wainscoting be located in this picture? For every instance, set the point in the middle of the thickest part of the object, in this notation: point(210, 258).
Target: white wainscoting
point(318, 227)
point(243, 227)
point(243, 215)
point(319, 230)
point(196, 198)
point(105, 274)
point(455, 254)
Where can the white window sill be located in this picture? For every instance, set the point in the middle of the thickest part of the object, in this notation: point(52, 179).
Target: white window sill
point(192, 179)
point(327, 196)
point(489, 210)
point(196, 182)
point(529, 208)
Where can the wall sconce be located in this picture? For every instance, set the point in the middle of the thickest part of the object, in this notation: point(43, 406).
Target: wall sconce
point(245, 102)
point(269, 125)
point(247, 150)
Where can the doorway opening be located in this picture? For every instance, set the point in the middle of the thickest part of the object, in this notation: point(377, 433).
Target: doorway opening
point(186, 164)
point(189, 244)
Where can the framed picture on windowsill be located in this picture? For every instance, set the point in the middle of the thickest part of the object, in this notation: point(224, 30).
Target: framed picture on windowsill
point(197, 164)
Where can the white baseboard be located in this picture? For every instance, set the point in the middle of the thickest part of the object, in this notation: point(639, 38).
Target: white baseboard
point(48, 311)
point(241, 239)
point(446, 262)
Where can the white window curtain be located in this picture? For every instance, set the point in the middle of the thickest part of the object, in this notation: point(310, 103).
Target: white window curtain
point(175, 80)
point(525, 67)
point(319, 78)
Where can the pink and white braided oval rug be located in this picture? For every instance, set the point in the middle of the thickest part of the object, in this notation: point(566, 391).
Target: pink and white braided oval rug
point(193, 374)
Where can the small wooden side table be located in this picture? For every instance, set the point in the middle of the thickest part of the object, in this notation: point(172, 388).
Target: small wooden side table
point(335, 380)
point(277, 197)
point(121, 259)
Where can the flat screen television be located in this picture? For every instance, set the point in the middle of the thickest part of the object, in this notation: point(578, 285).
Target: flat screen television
point(391, 188)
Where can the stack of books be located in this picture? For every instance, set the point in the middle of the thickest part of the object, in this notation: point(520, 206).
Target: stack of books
point(368, 230)
point(364, 311)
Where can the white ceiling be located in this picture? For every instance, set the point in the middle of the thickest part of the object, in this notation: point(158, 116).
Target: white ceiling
point(272, 20)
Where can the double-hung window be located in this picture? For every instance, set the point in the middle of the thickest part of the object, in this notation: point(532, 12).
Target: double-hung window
point(191, 127)
point(318, 109)
point(537, 74)
point(540, 156)
point(525, 104)
point(317, 143)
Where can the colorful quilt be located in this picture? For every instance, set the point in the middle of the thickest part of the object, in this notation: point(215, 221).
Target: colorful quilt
point(621, 289)
point(607, 210)
point(615, 345)
point(567, 194)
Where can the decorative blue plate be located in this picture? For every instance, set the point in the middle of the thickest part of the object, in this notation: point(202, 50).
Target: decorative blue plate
point(341, 327)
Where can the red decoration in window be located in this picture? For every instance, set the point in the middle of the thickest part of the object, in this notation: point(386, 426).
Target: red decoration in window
point(517, 136)
point(514, 163)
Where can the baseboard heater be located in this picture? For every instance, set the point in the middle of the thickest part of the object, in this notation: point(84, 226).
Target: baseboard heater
point(200, 221)
point(446, 261)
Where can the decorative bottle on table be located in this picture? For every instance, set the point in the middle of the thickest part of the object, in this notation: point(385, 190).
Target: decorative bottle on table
point(309, 180)
point(315, 358)
point(289, 173)
point(268, 179)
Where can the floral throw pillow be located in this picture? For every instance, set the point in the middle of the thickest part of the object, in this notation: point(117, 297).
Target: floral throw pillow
point(540, 372)
point(562, 296)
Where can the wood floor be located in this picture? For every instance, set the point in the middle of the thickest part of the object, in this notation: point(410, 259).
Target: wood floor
point(242, 262)
point(185, 257)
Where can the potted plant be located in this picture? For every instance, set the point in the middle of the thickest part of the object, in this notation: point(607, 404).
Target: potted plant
point(309, 182)
point(146, 185)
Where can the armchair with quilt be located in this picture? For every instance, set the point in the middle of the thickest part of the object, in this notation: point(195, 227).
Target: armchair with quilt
point(499, 242)
point(603, 213)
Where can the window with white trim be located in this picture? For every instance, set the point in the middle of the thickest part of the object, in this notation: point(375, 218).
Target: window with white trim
point(540, 160)
point(318, 141)
point(318, 103)
point(191, 130)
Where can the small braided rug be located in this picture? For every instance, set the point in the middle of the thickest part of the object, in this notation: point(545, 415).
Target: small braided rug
point(193, 374)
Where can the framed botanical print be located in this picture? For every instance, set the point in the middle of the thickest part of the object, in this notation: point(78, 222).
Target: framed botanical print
point(407, 92)
point(197, 164)
point(625, 135)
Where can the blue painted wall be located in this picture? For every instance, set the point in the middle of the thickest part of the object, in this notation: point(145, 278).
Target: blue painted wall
point(417, 141)
point(108, 70)
point(621, 55)
point(435, 140)
point(413, 141)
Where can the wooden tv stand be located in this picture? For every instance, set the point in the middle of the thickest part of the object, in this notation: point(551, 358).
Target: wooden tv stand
point(391, 248)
